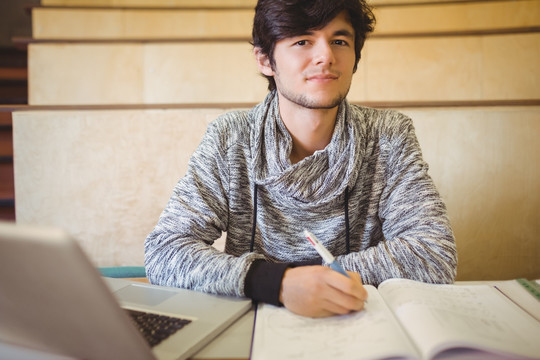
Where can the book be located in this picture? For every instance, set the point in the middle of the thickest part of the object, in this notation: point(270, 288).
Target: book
point(405, 319)
point(525, 293)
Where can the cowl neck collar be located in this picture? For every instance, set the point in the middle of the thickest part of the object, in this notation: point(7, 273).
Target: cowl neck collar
point(317, 179)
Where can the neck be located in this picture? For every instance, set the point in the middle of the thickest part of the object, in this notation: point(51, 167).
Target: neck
point(310, 129)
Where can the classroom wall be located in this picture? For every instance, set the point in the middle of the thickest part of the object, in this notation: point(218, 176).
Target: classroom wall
point(118, 104)
point(106, 175)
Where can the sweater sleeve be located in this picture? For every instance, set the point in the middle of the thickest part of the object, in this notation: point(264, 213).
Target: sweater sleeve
point(263, 280)
point(179, 252)
point(418, 242)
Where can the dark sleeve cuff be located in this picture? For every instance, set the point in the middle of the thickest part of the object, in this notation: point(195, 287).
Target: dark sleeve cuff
point(316, 261)
point(263, 280)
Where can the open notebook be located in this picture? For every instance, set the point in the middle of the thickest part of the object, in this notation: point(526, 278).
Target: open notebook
point(405, 319)
point(53, 300)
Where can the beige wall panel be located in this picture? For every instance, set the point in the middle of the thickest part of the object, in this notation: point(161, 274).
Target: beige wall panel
point(151, 3)
point(462, 16)
point(72, 23)
point(105, 176)
point(497, 67)
point(196, 3)
point(68, 74)
point(189, 23)
point(360, 86)
point(501, 67)
point(391, 3)
point(84, 74)
point(68, 23)
point(121, 23)
point(511, 66)
point(190, 3)
point(423, 69)
point(202, 73)
point(485, 164)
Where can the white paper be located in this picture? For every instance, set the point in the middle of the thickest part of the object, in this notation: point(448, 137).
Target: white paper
point(369, 334)
point(477, 316)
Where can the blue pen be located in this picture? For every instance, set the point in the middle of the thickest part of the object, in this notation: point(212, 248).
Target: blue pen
point(325, 254)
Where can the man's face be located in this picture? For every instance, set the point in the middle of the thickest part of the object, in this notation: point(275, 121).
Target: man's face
point(315, 70)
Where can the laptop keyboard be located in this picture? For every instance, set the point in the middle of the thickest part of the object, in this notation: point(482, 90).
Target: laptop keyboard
point(155, 327)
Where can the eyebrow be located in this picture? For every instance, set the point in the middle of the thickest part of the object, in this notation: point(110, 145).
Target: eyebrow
point(341, 32)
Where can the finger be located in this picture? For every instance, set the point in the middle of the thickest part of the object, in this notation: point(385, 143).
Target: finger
point(342, 305)
point(340, 302)
point(363, 294)
point(335, 309)
point(351, 286)
point(355, 276)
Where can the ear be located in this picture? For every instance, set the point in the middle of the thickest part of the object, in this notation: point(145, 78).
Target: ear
point(263, 62)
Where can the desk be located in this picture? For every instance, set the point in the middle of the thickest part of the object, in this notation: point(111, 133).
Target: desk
point(233, 344)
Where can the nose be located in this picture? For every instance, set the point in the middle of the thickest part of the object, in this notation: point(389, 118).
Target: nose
point(323, 54)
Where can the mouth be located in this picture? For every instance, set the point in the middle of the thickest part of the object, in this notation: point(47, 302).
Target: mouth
point(322, 77)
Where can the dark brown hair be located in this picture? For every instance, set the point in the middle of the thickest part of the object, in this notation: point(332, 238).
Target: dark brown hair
point(279, 19)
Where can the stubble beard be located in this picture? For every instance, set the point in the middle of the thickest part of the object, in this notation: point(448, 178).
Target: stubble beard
point(313, 104)
point(305, 101)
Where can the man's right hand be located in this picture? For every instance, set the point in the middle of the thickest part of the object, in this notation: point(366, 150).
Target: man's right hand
point(318, 291)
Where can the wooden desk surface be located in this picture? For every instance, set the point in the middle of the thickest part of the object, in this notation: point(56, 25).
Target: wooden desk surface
point(232, 344)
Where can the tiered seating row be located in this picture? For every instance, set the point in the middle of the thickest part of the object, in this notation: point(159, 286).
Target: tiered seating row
point(235, 23)
point(406, 69)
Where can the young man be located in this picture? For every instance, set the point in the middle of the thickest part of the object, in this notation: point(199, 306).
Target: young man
point(304, 158)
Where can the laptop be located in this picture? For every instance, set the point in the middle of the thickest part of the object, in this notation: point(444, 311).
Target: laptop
point(54, 301)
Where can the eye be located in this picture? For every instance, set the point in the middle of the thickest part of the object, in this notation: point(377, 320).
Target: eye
point(341, 42)
point(301, 43)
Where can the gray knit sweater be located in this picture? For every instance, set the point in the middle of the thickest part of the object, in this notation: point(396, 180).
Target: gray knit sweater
point(397, 223)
